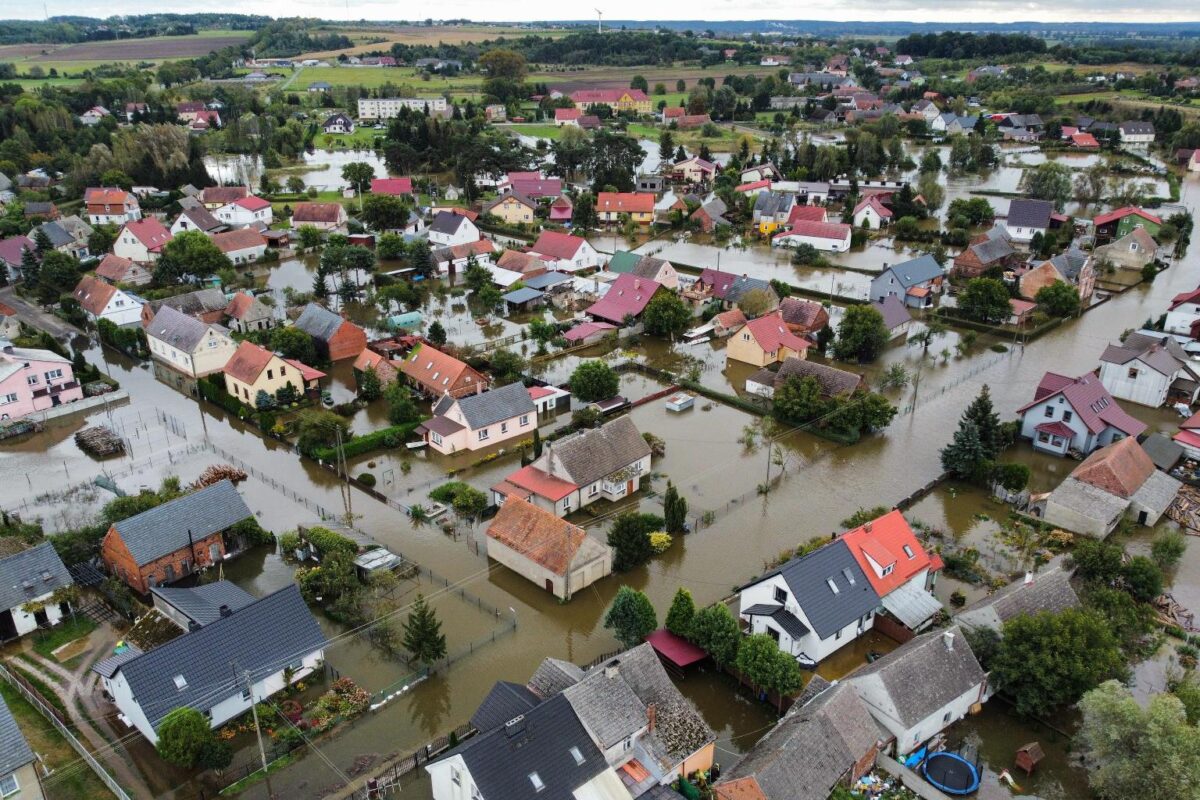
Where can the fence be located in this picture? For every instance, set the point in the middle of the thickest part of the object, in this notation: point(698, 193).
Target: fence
point(387, 780)
point(471, 349)
point(321, 511)
point(60, 725)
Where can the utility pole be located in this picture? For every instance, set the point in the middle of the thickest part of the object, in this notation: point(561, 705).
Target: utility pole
point(262, 750)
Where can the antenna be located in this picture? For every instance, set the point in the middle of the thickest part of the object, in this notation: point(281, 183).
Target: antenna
point(599, 21)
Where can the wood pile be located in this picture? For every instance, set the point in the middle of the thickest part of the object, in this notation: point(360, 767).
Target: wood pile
point(1172, 612)
point(99, 440)
point(1185, 509)
point(216, 473)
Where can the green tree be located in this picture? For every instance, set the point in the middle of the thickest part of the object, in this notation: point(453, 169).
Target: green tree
point(383, 212)
point(716, 630)
point(682, 613)
point(295, 184)
point(319, 428)
point(767, 667)
point(436, 334)
point(1097, 561)
point(506, 70)
point(629, 538)
point(476, 276)
point(1059, 299)
point(1048, 660)
point(358, 175)
point(390, 246)
point(675, 509)
point(189, 254)
point(1051, 181)
point(666, 315)
point(102, 238)
point(756, 302)
point(59, 274)
point(983, 414)
point(423, 637)
point(1142, 578)
point(401, 407)
point(985, 300)
point(370, 388)
point(537, 444)
point(507, 367)
point(966, 457)
point(631, 617)
point(420, 259)
point(862, 334)
point(639, 82)
point(309, 236)
point(292, 342)
point(1168, 548)
point(184, 736)
point(1131, 751)
point(594, 380)
point(799, 400)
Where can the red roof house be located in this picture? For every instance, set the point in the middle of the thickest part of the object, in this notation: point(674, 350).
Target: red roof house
point(627, 296)
point(898, 568)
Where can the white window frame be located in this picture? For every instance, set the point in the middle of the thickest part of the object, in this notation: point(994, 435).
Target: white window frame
point(8, 398)
point(524, 420)
point(484, 434)
point(5, 791)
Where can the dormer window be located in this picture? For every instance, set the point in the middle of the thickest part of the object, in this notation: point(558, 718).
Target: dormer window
point(888, 569)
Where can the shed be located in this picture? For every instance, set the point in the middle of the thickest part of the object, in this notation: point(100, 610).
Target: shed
point(1164, 452)
point(675, 650)
point(1029, 755)
point(522, 299)
point(680, 401)
point(410, 320)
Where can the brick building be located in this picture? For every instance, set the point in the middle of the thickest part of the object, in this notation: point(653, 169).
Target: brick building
point(336, 338)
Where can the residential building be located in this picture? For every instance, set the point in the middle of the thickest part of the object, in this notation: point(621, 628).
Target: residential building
point(613, 207)
point(830, 237)
point(327, 217)
point(1183, 315)
point(803, 317)
point(1136, 132)
point(335, 336)
point(727, 323)
point(512, 208)
point(19, 775)
point(338, 123)
point(214, 197)
point(626, 299)
point(241, 246)
point(896, 316)
point(655, 269)
point(711, 215)
point(1122, 221)
point(561, 210)
point(872, 214)
point(991, 250)
point(833, 382)
point(380, 108)
point(916, 282)
point(476, 421)
point(114, 269)
point(448, 229)
point(197, 218)
point(549, 551)
point(253, 369)
point(221, 669)
point(1132, 251)
point(396, 187)
point(589, 333)
point(812, 605)
point(101, 300)
point(772, 210)
point(694, 171)
point(1074, 267)
point(40, 210)
point(608, 462)
point(109, 206)
point(68, 235)
point(453, 260)
point(766, 340)
point(141, 240)
point(10, 323)
point(899, 569)
point(175, 539)
point(197, 606)
point(533, 185)
point(1149, 371)
point(727, 287)
point(1046, 590)
point(188, 345)
point(206, 305)
point(567, 116)
point(564, 252)
point(436, 374)
point(246, 313)
point(922, 687)
point(1074, 414)
point(93, 115)
point(28, 582)
point(250, 210)
point(384, 369)
point(12, 252)
point(1027, 218)
point(618, 100)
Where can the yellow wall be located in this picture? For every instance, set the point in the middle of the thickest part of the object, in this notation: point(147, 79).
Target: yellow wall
point(281, 375)
point(745, 348)
point(513, 211)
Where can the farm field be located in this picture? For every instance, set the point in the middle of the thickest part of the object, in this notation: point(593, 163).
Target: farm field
point(92, 54)
point(619, 77)
point(374, 77)
point(419, 34)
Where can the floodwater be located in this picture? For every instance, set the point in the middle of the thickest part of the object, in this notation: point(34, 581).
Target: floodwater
point(319, 169)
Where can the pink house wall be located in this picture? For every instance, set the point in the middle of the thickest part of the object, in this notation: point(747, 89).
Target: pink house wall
point(18, 384)
point(467, 439)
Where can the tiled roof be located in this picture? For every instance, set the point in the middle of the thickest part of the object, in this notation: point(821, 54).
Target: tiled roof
point(319, 322)
point(517, 261)
point(1120, 468)
point(240, 239)
point(566, 114)
point(447, 222)
point(504, 198)
point(532, 479)
point(329, 213)
point(176, 523)
point(1024, 213)
point(30, 574)
point(883, 540)
point(178, 330)
point(202, 604)
point(552, 676)
point(589, 96)
point(438, 372)
point(872, 201)
point(201, 301)
point(14, 750)
point(1050, 590)
point(537, 534)
point(586, 329)
point(818, 230)
point(1090, 400)
point(740, 286)
point(506, 701)
point(772, 333)
point(628, 295)
point(535, 185)
point(807, 314)
point(1113, 216)
point(488, 408)
point(592, 454)
point(12, 249)
point(557, 245)
point(150, 232)
point(93, 294)
point(246, 306)
point(625, 202)
point(252, 203)
point(223, 195)
point(833, 381)
point(248, 362)
point(393, 186)
point(809, 579)
point(105, 196)
point(201, 218)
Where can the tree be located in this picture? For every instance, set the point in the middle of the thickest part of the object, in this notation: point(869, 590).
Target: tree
point(675, 510)
point(292, 342)
point(1051, 181)
point(507, 367)
point(1097, 561)
point(630, 617)
point(436, 333)
point(666, 315)
point(799, 400)
point(680, 85)
point(295, 184)
point(1049, 660)
point(630, 539)
point(401, 406)
point(383, 212)
point(716, 630)
point(767, 667)
point(666, 145)
point(1168, 548)
point(189, 254)
point(987, 422)
point(102, 238)
point(639, 82)
point(420, 259)
point(594, 380)
point(59, 274)
point(985, 300)
point(319, 428)
point(370, 388)
point(184, 736)
point(965, 457)
point(1131, 751)
point(1142, 578)
point(423, 637)
point(358, 174)
point(682, 613)
point(390, 246)
point(1059, 299)
point(756, 302)
point(862, 334)
point(894, 377)
point(310, 236)
point(506, 71)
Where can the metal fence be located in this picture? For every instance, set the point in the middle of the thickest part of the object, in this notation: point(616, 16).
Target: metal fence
point(52, 714)
point(387, 782)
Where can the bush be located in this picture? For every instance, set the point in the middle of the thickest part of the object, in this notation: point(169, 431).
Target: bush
point(1168, 548)
point(329, 542)
point(375, 440)
point(366, 479)
point(660, 542)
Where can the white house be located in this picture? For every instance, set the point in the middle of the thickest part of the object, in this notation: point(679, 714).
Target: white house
point(1136, 132)
point(187, 345)
point(245, 211)
point(1027, 218)
point(812, 605)
point(563, 252)
point(1183, 314)
point(28, 581)
point(1074, 414)
point(141, 240)
point(338, 123)
point(872, 213)
point(898, 567)
point(830, 237)
point(101, 300)
point(449, 229)
point(197, 218)
point(241, 246)
point(1149, 371)
point(220, 669)
point(107, 206)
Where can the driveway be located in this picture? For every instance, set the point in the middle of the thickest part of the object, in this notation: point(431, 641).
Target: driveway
point(33, 315)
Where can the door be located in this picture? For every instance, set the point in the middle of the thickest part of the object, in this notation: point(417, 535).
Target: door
point(1142, 517)
point(55, 400)
point(41, 618)
point(629, 487)
point(549, 586)
point(214, 552)
point(8, 628)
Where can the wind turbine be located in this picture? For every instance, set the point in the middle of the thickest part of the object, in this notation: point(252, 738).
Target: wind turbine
point(599, 21)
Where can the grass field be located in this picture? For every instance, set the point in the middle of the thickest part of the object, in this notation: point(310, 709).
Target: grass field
point(419, 34)
point(374, 77)
point(72, 58)
point(363, 136)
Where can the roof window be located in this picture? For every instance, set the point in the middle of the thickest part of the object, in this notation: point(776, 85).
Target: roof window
point(536, 780)
point(908, 551)
point(180, 682)
point(849, 575)
point(578, 756)
point(833, 586)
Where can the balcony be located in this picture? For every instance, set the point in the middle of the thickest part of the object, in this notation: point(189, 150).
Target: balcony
point(58, 388)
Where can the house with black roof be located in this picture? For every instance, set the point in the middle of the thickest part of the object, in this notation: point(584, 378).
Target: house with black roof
point(481, 420)
point(28, 583)
point(196, 606)
point(915, 282)
point(812, 605)
point(1027, 218)
point(335, 336)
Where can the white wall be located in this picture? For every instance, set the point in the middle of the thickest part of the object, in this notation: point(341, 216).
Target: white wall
point(811, 645)
point(442, 775)
point(1149, 388)
point(122, 310)
point(907, 739)
point(25, 623)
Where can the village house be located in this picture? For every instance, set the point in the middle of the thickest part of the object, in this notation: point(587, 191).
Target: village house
point(533, 185)
point(40, 210)
point(253, 369)
point(1047, 590)
point(29, 581)
point(1074, 267)
point(915, 282)
point(608, 462)
point(618, 100)
point(141, 240)
point(803, 317)
point(201, 605)
point(266, 644)
point(100, 300)
point(68, 235)
point(812, 605)
point(1027, 218)
point(175, 539)
point(900, 570)
point(1136, 132)
point(327, 217)
point(94, 115)
point(512, 208)
point(655, 269)
point(833, 382)
point(711, 215)
point(10, 323)
point(12, 253)
point(338, 123)
point(108, 206)
point(476, 421)
point(453, 260)
point(206, 305)
point(242, 246)
point(369, 359)
point(1133, 251)
point(766, 340)
point(561, 210)
point(20, 776)
point(187, 345)
point(991, 250)
point(567, 116)
point(922, 687)
point(186, 111)
point(589, 333)
point(246, 211)
point(548, 551)
point(448, 229)
point(436, 374)
point(197, 218)
point(726, 287)
point(564, 252)
point(772, 210)
point(395, 187)
point(1183, 314)
point(116, 270)
point(872, 214)
point(613, 207)
point(626, 299)
point(829, 237)
point(336, 337)
point(759, 172)
point(1149, 371)
point(693, 171)
point(1074, 414)
point(213, 197)
point(1122, 221)
point(728, 323)
point(246, 313)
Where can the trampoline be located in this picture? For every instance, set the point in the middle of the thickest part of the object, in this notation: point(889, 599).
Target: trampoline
point(951, 773)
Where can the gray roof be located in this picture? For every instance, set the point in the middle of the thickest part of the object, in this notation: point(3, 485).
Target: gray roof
point(893, 311)
point(923, 675)
point(995, 247)
point(172, 525)
point(30, 574)
point(552, 676)
point(261, 638)
point(1086, 500)
point(1136, 127)
point(743, 285)
point(1161, 353)
point(546, 280)
point(607, 707)
point(108, 667)
point(592, 454)
point(772, 203)
point(200, 217)
point(1164, 452)
point(646, 267)
point(808, 577)
point(56, 233)
point(812, 747)
point(318, 322)
point(14, 750)
point(1030, 213)
point(1156, 493)
point(201, 301)
point(523, 295)
point(1070, 262)
point(178, 329)
point(1050, 591)
point(202, 604)
point(916, 271)
point(446, 222)
point(788, 622)
point(505, 701)
point(833, 381)
point(488, 408)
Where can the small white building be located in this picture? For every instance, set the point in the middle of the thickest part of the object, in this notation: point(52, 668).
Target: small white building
point(109, 206)
point(872, 214)
point(241, 246)
point(338, 123)
point(28, 581)
point(1074, 414)
point(1136, 132)
point(449, 229)
point(1027, 218)
point(829, 237)
point(563, 252)
point(246, 211)
point(1149, 371)
point(1183, 314)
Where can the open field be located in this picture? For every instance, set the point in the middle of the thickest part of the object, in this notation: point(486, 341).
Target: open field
point(374, 77)
point(419, 34)
point(92, 54)
point(619, 77)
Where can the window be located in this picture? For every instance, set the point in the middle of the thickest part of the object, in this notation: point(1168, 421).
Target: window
point(1049, 412)
point(455, 776)
point(946, 717)
point(832, 585)
point(908, 551)
point(53, 374)
point(504, 427)
point(848, 575)
point(1067, 416)
point(246, 695)
point(32, 380)
point(270, 374)
point(524, 420)
point(780, 595)
point(578, 756)
point(888, 569)
point(9, 785)
point(536, 780)
point(483, 435)
point(1133, 373)
point(9, 398)
point(180, 682)
point(838, 635)
point(436, 437)
point(593, 490)
point(212, 344)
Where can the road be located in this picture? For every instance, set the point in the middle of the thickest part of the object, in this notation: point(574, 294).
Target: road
point(34, 316)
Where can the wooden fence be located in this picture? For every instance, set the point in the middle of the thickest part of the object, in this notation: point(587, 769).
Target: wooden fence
point(388, 780)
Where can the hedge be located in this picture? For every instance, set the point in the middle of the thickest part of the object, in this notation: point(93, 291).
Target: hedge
point(212, 389)
point(374, 440)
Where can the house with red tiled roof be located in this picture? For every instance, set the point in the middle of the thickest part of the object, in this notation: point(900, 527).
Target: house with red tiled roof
point(141, 240)
point(252, 369)
point(246, 313)
point(435, 373)
point(1084, 141)
point(101, 300)
point(249, 210)
point(801, 213)
point(627, 297)
point(1118, 222)
point(109, 206)
point(241, 246)
point(566, 116)
point(766, 340)
point(545, 549)
point(872, 214)
point(752, 188)
point(612, 207)
point(728, 323)
point(385, 370)
point(561, 210)
point(114, 269)
point(564, 252)
point(898, 567)
point(1074, 414)
point(618, 100)
point(396, 187)
point(803, 317)
point(832, 237)
point(328, 217)
point(213, 197)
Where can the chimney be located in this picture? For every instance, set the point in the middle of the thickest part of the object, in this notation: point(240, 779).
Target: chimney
point(948, 639)
point(225, 611)
point(651, 716)
point(867, 527)
point(193, 625)
point(1028, 578)
point(612, 669)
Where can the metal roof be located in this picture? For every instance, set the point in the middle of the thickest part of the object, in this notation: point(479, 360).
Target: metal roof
point(488, 408)
point(174, 524)
point(178, 329)
point(809, 578)
point(911, 604)
point(916, 271)
point(202, 604)
point(522, 295)
point(318, 322)
point(29, 574)
point(505, 701)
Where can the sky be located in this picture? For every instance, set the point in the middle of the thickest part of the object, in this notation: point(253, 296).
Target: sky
point(963, 11)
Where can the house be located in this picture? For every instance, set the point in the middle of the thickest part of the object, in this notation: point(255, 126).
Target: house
point(33, 380)
point(589, 333)
point(449, 229)
point(608, 462)
point(327, 217)
point(173, 540)
point(213, 197)
point(101, 300)
point(711, 215)
point(1122, 221)
point(771, 210)
point(728, 323)
point(830, 237)
point(454, 259)
point(241, 246)
point(476, 421)
point(896, 316)
point(384, 369)
point(915, 281)
point(566, 116)
point(533, 185)
point(253, 369)
point(1149, 371)
point(250, 210)
point(114, 269)
point(12, 253)
point(512, 208)
point(1136, 132)
point(1074, 414)
point(221, 669)
point(899, 569)
point(991, 250)
point(197, 606)
point(613, 207)
point(833, 382)
point(10, 323)
point(28, 582)
point(396, 187)
point(803, 317)
point(656, 269)
point(764, 171)
point(694, 171)
point(618, 100)
point(107, 206)
point(206, 305)
point(205, 120)
point(549, 399)
point(561, 210)
point(20, 778)
point(1110, 483)
point(1027, 218)
point(564, 252)
point(197, 218)
point(549, 551)
point(141, 240)
point(246, 313)
point(1074, 267)
point(922, 687)
point(380, 108)
point(1133, 251)
point(1020, 312)
point(94, 115)
point(812, 605)
point(728, 288)
point(320, 86)
point(338, 123)
point(336, 337)
point(626, 298)
point(1047, 590)
point(68, 235)
point(766, 340)
point(38, 209)
point(1183, 314)
point(774, 61)
point(436, 374)
point(188, 345)
point(826, 739)
point(871, 213)
point(187, 110)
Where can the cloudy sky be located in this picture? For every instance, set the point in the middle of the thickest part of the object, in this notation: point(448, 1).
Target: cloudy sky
point(902, 10)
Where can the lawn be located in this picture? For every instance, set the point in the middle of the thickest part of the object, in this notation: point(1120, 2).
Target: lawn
point(725, 142)
point(41, 687)
point(362, 138)
point(420, 34)
point(405, 78)
point(551, 132)
point(44, 644)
